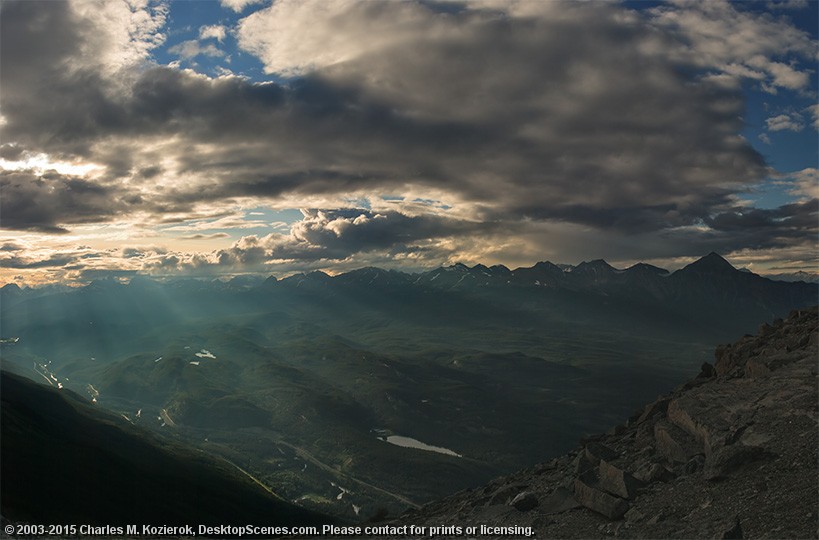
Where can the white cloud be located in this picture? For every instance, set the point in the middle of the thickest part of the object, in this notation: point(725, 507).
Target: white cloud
point(192, 48)
point(787, 4)
point(720, 35)
point(805, 183)
point(120, 34)
point(292, 37)
point(216, 31)
point(785, 122)
point(764, 138)
point(814, 112)
point(239, 5)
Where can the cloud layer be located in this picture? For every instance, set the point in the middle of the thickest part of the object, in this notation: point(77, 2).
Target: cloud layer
point(511, 118)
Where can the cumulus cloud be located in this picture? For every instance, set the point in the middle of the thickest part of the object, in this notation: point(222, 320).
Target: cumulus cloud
point(788, 4)
point(192, 49)
point(805, 183)
point(291, 36)
point(215, 31)
point(338, 234)
point(785, 122)
point(739, 43)
point(239, 5)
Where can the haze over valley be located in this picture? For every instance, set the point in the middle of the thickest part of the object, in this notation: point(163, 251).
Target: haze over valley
point(382, 389)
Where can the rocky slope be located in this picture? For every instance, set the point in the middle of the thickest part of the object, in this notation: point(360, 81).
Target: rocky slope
point(730, 454)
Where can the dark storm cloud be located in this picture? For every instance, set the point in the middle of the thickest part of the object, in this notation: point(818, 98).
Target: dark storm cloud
point(770, 227)
point(48, 98)
point(43, 202)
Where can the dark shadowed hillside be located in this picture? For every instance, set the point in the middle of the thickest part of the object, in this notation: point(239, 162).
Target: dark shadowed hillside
point(64, 461)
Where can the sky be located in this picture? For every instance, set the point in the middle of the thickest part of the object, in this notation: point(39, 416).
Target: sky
point(219, 138)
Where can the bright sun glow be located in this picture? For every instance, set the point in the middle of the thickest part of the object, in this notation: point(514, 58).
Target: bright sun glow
point(41, 163)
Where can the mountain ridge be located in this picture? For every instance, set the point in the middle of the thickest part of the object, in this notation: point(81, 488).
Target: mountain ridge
point(708, 263)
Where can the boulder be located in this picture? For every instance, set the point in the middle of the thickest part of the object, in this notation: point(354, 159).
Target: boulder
point(617, 481)
point(655, 408)
point(694, 464)
point(599, 501)
point(731, 458)
point(633, 515)
point(524, 501)
point(584, 464)
point(674, 443)
point(732, 531)
point(687, 412)
point(756, 368)
point(506, 493)
point(559, 501)
point(654, 472)
point(596, 451)
point(707, 371)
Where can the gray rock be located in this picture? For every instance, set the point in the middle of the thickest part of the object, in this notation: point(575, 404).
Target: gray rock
point(584, 463)
point(707, 371)
point(694, 464)
point(633, 515)
point(599, 501)
point(656, 408)
point(732, 532)
point(654, 472)
point(506, 493)
point(525, 501)
point(656, 518)
point(559, 501)
point(596, 451)
point(756, 368)
point(617, 481)
point(616, 430)
point(729, 459)
point(674, 443)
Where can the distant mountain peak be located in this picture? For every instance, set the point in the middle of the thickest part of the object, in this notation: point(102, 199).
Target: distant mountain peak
point(647, 268)
point(597, 264)
point(712, 262)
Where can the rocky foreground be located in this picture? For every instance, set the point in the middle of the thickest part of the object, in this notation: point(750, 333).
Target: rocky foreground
point(730, 454)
